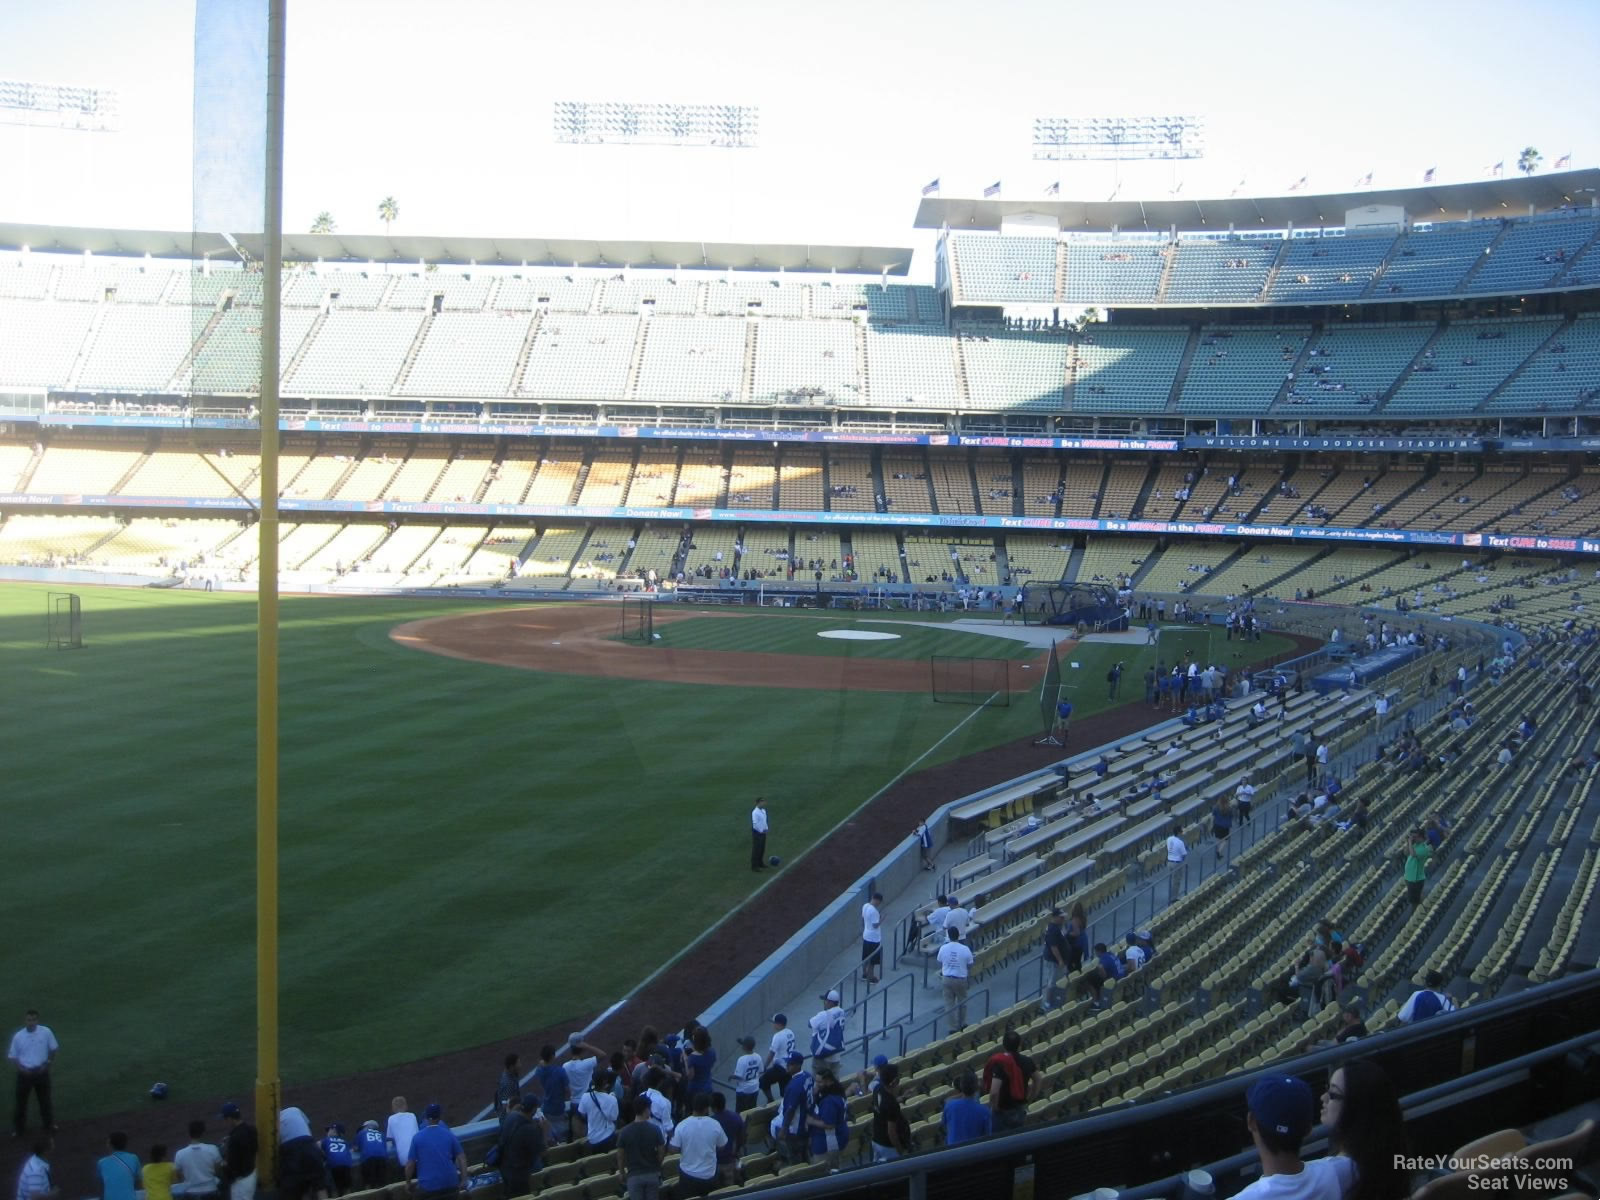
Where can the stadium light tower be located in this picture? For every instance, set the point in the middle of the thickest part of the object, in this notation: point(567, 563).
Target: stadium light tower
point(57, 106)
point(1118, 139)
point(622, 123)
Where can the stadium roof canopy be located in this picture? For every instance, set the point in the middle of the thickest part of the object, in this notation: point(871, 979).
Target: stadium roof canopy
point(459, 251)
point(1445, 202)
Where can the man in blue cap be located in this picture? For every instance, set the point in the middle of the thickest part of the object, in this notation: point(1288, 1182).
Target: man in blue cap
point(1281, 1115)
point(437, 1165)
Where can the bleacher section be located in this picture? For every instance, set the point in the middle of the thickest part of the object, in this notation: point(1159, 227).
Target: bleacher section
point(354, 353)
point(1325, 269)
point(1015, 370)
point(551, 293)
point(138, 348)
point(1532, 254)
point(1219, 272)
point(1100, 272)
point(804, 359)
point(698, 360)
point(1564, 374)
point(455, 293)
point(466, 354)
point(1238, 370)
point(1348, 370)
point(1036, 559)
point(579, 358)
point(1125, 370)
point(997, 267)
point(911, 365)
point(229, 359)
point(1467, 362)
point(39, 341)
point(1432, 262)
point(679, 297)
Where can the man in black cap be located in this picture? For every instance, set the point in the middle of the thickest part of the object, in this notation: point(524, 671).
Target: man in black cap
point(1281, 1115)
point(239, 1149)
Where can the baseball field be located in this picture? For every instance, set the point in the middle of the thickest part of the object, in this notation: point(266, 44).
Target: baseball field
point(494, 817)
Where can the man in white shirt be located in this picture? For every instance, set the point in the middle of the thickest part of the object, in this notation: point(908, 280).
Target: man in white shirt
point(827, 1032)
point(777, 1067)
point(758, 835)
point(937, 916)
point(582, 1062)
point(955, 964)
point(198, 1163)
point(1380, 708)
point(697, 1140)
point(1280, 1117)
point(401, 1129)
point(598, 1110)
point(1243, 797)
point(958, 918)
point(1322, 758)
point(660, 1106)
point(1177, 852)
point(35, 1181)
point(872, 939)
point(746, 1077)
point(33, 1049)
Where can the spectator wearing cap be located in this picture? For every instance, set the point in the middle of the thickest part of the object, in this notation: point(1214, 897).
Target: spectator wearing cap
point(1281, 1114)
point(240, 1145)
point(374, 1156)
point(827, 1032)
point(891, 1132)
point(522, 1141)
point(336, 1153)
point(746, 1077)
point(783, 1045)
point(795, 1109)
point(870, 1080)
point(436, 1166)
point(401, 1129)
point(198, 1164)
point(301, 1170)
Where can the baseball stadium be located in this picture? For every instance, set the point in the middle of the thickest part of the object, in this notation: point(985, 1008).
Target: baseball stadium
point(1213, 572)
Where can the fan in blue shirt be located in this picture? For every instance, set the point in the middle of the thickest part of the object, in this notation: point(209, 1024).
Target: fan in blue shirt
point(965, 1117)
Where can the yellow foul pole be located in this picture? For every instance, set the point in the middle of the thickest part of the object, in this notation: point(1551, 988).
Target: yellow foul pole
point(268, 1086)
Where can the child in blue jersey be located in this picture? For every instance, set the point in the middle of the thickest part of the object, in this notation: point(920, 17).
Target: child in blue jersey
point(374, 1156)
point(336, 1152)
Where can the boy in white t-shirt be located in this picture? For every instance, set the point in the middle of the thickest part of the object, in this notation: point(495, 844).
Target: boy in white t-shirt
point(1281, 1109)
point(746, 1077)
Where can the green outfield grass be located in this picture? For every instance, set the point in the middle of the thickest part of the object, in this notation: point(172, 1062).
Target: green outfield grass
point(456, 837)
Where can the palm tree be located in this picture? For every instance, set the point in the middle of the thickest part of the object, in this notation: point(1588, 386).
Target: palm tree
point(324, 223)
point(1528, 161)
point(388, 211)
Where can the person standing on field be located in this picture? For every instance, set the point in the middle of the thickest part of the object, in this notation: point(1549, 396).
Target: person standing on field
point(33, 1049)
point(758, 835)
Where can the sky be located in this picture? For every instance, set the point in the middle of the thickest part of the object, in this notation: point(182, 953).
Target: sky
point(447, 107)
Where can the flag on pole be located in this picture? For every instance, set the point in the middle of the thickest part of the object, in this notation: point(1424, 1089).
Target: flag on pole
point(1239, 187)
point(1053, 189)
point(1427, 176)
point(1298, 183)
point(1177, 189)
point(1564, 161)
point(1497, 169)
point(930, 188)
point(1365, 180)
point(992, 190)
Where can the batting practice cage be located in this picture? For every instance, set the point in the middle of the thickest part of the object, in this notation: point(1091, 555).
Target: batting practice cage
point(63, 621)
point(1094, 608)
point(984, 682)
point(638, 622)
point(1050, 693)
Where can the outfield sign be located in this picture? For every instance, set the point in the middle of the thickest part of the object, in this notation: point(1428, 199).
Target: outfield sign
point(1359, 445)
point(778, 516)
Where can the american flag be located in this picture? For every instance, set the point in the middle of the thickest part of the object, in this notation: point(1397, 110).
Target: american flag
point(1053, 189)
point(1298, 183)
point(1427, 176)
point(929, 189)
point(1497, 169)
point(1564, 161)
point(1365, 180)
point(992, 190)
point(1239, 187)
